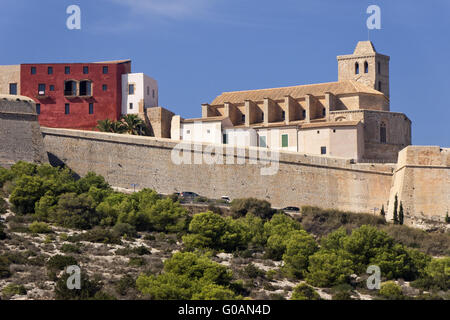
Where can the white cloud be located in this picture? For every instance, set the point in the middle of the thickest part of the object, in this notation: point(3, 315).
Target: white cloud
point(166, 8)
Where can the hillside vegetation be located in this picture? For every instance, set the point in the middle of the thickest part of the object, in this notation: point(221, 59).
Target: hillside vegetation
point(147, 246)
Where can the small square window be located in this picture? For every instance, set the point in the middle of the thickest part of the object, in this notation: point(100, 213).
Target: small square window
point(283, 115)
point(105, 87)
point(33, 70)
point(285, 141)
point(41, 89)
point(131, 89)
point(105, 70)
point(188, 131)
point(243, 118)
point(262, 116)
point(334, 130)
point(38, 108)
point(318, 132)
point(91, 108)
point(262, 142)
point(304, 114)
point(52, 87)
point(13, 88)
point(67, 109)
point(50, 70)
point(224, 138)
point(323, 150)
point(85, 70)
point(208, 131)
point(131, 105)
point(67, 70)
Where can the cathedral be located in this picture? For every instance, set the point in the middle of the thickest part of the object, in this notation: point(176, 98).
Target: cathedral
point(350, 118)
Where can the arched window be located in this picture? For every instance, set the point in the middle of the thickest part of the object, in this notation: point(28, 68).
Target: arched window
point(70, 88)
point(357, 68)
point(85, 88)
point(383, 132)
point(366, 67)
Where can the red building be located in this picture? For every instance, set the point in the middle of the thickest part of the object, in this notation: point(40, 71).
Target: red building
point(75, 95)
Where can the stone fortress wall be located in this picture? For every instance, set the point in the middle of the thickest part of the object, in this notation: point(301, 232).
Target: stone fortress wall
point(421, 177)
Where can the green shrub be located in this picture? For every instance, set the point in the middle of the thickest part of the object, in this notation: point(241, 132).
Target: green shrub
point(125, 283)
point(88, 291)
point(98, 235)
point(122, 229)
point(39, 227)
point(329, 268)
point(59, 262)
point(136, 262)
point(299, 247)
point(185, 277)
point(304, 292)
point(13, 289)
point(252, 271)
point(70, 248)
point(391, 291)
point(3, 206)
point(259, 208)
point(4, 267)
point(435, 276)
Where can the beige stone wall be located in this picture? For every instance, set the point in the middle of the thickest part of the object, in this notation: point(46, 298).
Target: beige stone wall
point(9, 74)
point(20, 135)
point(422, 183)
point(301, 180)
point(160, 120)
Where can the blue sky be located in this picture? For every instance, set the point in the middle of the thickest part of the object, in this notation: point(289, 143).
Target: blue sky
point(197, 49)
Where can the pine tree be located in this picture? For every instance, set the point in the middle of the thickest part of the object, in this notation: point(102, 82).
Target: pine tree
point(401, 216)
point(395, 210)
point(382, 213)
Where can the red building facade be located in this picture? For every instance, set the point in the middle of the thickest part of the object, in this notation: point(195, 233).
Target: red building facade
point(75, 95)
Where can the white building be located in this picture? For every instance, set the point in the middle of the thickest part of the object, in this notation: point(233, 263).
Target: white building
point(139, 92)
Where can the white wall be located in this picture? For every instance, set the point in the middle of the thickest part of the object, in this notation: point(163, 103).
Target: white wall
point(145, 91)
point(210, 131)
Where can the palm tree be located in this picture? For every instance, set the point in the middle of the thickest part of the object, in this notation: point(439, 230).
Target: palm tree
point(134, 125)
point(118, 127)
point(104, 125)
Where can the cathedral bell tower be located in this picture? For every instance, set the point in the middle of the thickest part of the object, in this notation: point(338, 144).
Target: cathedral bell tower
point(366, 66)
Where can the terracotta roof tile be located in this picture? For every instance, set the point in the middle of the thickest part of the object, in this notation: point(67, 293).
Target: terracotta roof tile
point(336, 88)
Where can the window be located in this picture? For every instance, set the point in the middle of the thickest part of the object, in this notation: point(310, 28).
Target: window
point(67, 109)
point(70, 88)
point(262, 116)
point(284, 141)
point(225, 138)
point(334, 130)
point(357, 68)
point(208, 131)
point(13, 88)
point(52, 87)
point(366, 67)
point(243, 118)
point(85, 70)
point(318, 132)
point(131, 89)
point(131, 105)
point(105, 70)
point(153, 92)
point(323, 150)
point(283, 115)
point(33, 70)
point(304, 114)
point(324, 112)
point(262, 142)
point(383, 132)
point(148, 91)
point(41, 89)
point(50, 70)
point(38, 108)
point(85, 88)
point(67, 70)
point(379, 68)
point(91, 108)
point(104, 87)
